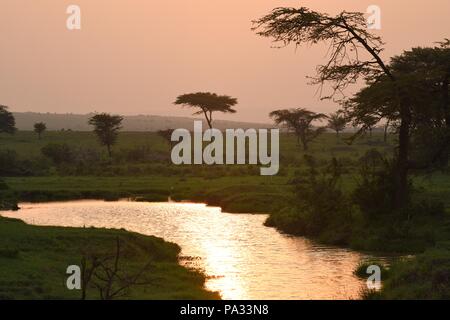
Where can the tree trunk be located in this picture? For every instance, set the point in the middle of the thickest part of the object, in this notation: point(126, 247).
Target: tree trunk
point(386, 130)
point(305, 144)
point(109, 150)
point(208, 120)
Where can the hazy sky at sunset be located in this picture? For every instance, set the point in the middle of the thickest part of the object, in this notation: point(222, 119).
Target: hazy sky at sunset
point(136, 56)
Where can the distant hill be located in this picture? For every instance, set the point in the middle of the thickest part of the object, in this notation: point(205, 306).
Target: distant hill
point(77, 122)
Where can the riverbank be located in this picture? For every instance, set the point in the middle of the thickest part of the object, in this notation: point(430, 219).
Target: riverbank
point(248, 194)
point(34, 260)
point(422, 277)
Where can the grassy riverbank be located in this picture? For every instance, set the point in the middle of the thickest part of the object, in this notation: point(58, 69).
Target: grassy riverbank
point(421, 277)
point(33, 263)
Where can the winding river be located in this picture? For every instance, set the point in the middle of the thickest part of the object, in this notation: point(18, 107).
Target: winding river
point(242, 258)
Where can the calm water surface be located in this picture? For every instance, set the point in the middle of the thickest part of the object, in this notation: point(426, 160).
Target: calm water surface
point(243, 259)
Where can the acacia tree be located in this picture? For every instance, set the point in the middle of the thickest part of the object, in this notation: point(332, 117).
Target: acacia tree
point(207, 103)
point(300, 121)
point(7, 121)
point(350, 42)
point(39, 128)
point(106, 127)
point(337, 122)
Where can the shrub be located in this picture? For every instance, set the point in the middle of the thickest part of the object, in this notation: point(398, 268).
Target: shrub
point(321, 209)
point(375, 191)
point(12, 166)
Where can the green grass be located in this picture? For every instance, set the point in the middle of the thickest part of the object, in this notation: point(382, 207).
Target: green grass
point(425, 277)
point(33, 263)
point(29, 146)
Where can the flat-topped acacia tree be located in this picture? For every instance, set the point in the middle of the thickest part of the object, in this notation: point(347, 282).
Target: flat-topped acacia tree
point(354, 53)
point(207, 103)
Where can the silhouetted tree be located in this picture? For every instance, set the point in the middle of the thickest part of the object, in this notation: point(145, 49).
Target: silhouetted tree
point(424, 73)
point(39, 128)
point(106, 127)
point(7, 121)
point(207, 103)
point(347, 35)
point(300, 121)
point(337, 122)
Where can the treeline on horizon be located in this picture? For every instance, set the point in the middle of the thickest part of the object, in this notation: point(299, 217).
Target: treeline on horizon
point(132, 123)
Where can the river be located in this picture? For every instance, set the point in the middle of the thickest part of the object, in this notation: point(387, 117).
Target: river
point(242, 258)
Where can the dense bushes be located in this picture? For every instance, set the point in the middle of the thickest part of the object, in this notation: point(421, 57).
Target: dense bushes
point(320, 205)
point(7, 200)
point(364, 217)
point(13, 166)
point(375, 190)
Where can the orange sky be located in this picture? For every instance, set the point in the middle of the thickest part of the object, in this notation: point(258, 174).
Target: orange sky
point(136, 56)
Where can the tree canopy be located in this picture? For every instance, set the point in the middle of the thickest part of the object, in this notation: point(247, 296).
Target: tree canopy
point(106, 127)
point(347, 35)
point(207, 103)
point(300, 121)
point(337, 122)
point(39, 128)
point(422, 73)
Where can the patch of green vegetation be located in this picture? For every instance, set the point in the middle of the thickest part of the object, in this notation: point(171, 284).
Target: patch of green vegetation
point(34, 260)
point(426, 276)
